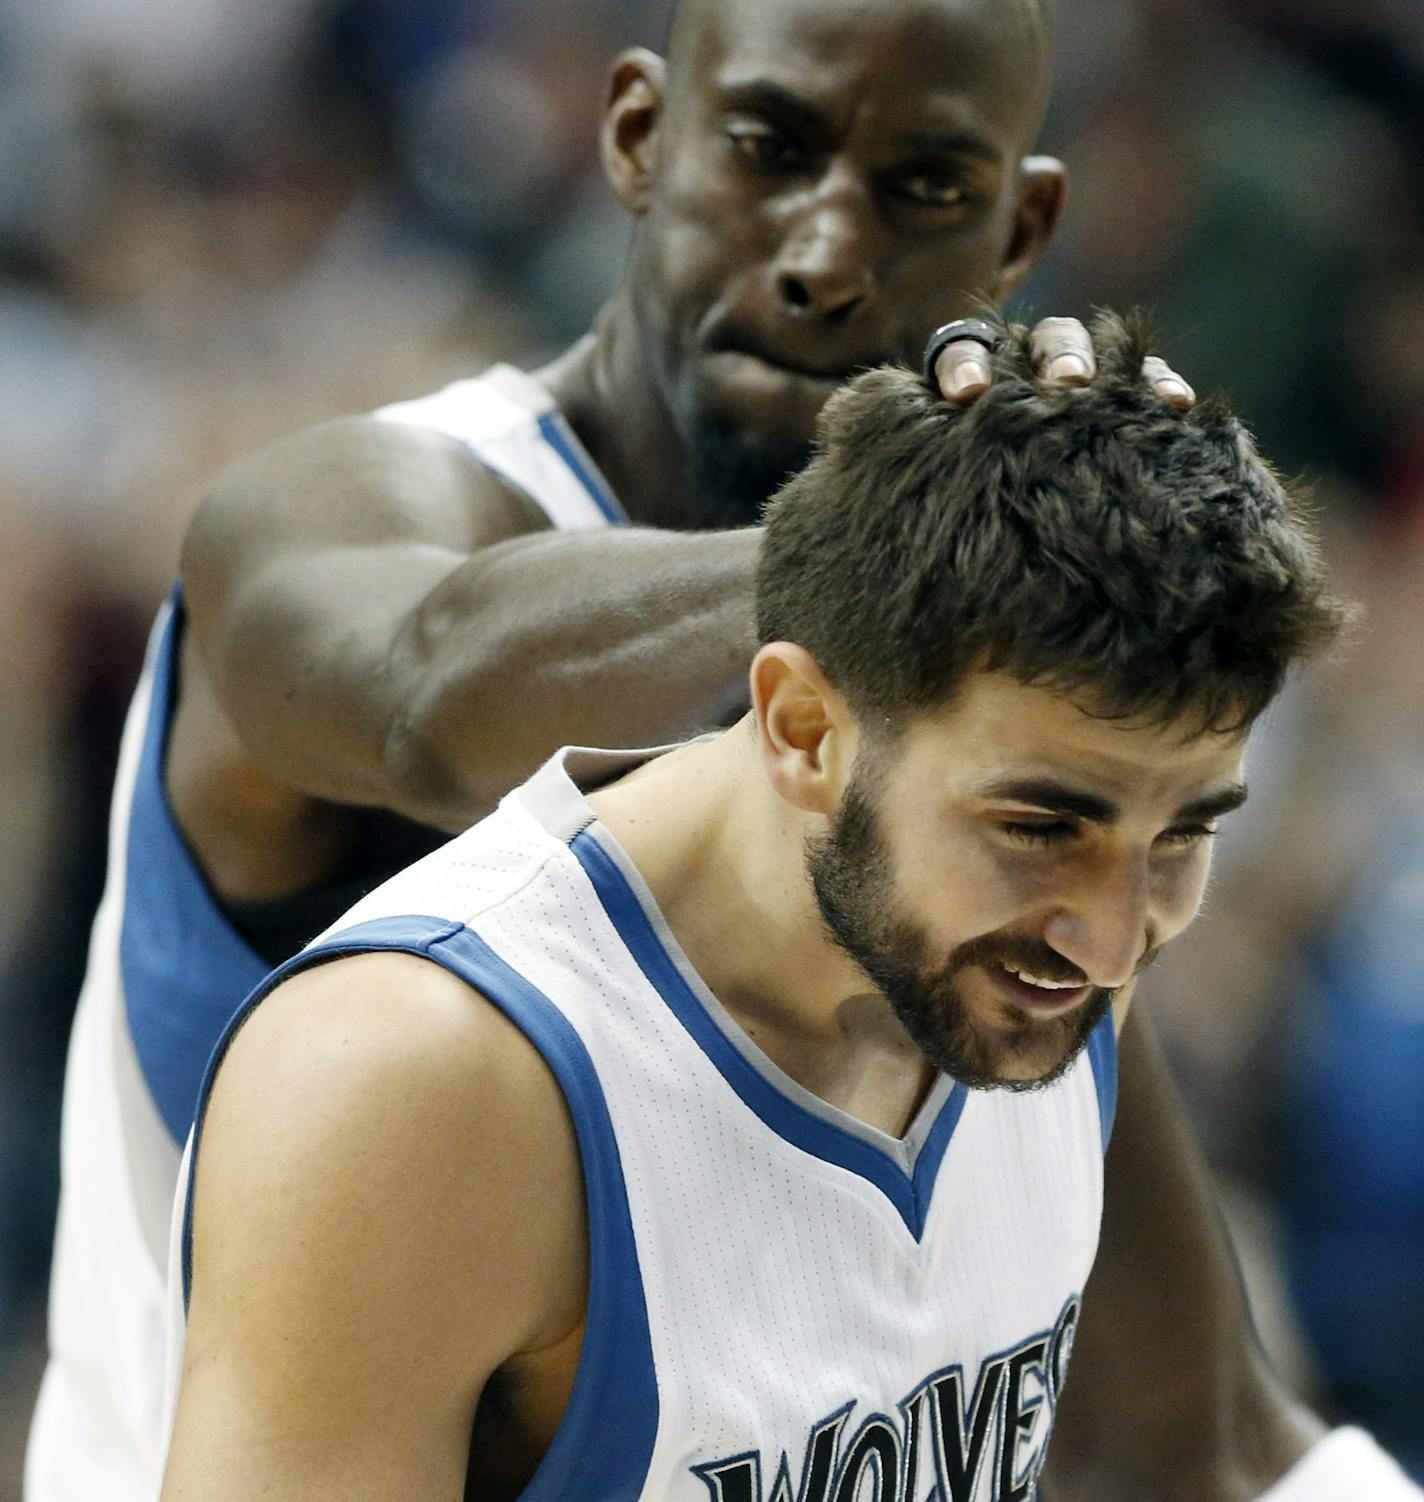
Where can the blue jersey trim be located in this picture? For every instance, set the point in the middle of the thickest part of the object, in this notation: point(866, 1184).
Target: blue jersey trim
point(910, 1194)
point(602, 1447)
point(183, 966)
point(1102, 1054)
point(553, 426)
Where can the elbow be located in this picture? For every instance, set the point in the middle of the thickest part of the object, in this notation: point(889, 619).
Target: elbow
point(441, 751)
point(423, 783)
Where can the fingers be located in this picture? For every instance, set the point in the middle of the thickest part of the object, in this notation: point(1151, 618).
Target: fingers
point(1167, 383)
point(962, 371)
point(1063, 349)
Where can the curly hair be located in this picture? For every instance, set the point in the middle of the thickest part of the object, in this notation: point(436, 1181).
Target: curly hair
point(1143, 560)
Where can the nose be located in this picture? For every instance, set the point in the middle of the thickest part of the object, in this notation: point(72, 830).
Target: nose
point(1106, 929)
point(824, 270)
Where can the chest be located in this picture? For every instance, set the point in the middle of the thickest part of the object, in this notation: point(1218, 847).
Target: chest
point(784, 1302)
point(794, 1324)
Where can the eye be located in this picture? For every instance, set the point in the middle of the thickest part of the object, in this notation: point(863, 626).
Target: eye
point(1188, 835)
point(1046, 832)
point(933, 188)
point(765, 148)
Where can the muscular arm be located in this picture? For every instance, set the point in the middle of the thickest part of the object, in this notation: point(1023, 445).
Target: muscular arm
point(1170, 1397)
point(382, 622)
point(387, 1209)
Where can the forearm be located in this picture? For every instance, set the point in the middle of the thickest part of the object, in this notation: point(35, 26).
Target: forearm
point(618, 638)
point(381, 621)
point(431, 683)
point(1170, 1397)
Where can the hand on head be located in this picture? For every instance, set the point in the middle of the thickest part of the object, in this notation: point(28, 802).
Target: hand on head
point(1065, 354)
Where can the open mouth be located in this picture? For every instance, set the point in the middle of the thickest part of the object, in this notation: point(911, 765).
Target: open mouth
point(1037, 993)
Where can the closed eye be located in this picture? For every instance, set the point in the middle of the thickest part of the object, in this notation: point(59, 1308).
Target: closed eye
point(1047, 832)
point(1059, 831)
point(1189, 834)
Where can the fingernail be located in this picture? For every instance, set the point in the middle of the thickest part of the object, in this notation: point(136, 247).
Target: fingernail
point(1069, 368)
point(967, 376)
point(1174, 390)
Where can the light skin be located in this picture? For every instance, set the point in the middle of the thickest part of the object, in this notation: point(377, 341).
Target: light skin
point(348, 1135)
point(969, 860)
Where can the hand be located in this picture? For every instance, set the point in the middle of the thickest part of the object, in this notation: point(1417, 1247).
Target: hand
point(1065, 353)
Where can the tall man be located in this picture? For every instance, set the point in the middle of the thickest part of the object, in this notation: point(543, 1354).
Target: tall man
point(410, 613)
point(730, 1122)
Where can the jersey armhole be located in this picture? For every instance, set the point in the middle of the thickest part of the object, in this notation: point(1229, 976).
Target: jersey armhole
point(604, 1441)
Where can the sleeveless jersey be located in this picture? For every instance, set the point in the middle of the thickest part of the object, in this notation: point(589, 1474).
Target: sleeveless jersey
point(166, 971)
point(784, 1303)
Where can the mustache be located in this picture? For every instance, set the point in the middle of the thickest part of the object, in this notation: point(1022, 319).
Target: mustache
point(1020, 952)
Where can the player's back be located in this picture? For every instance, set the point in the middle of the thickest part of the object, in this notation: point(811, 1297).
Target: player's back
point(783, 1301)
point(167, 968)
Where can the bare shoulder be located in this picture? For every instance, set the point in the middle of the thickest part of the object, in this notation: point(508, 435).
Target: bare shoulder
point(387, 1209)
point(377, 1112)
point(302, 569)
point(357, 481)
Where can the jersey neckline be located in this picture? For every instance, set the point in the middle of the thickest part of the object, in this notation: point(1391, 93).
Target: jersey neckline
point(904, 1168)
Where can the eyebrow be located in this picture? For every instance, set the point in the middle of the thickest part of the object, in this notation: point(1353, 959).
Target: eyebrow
point(769, 98)
point(765, 96)
point(956, 143)
point(1055, 797)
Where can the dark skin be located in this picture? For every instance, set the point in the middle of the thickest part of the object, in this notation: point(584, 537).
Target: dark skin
point(378, 623)
point(1172, 1398)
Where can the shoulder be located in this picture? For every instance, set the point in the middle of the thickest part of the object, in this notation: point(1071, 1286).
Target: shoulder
point(353, 1029)
point(378, 1112)
point(362, 479)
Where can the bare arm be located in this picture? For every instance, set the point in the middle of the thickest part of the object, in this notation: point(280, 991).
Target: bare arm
point(1170, 1398)
point(373, 1236)
point(379, 621)
point(384, 623)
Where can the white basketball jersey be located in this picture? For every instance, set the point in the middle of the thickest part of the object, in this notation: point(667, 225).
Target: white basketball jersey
point(166, 972)
point(785, 1305)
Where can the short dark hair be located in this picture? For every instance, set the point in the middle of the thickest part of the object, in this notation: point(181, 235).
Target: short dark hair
point(1145, 560)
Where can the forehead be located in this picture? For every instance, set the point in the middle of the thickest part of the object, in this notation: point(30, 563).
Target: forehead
point(998, 727)
point(938, 65)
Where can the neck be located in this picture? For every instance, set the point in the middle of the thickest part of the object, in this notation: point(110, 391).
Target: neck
point(608, 393)
point(724, 859)
point(723, 854)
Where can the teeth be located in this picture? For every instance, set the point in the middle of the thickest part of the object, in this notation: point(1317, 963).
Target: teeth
point(1047, 985)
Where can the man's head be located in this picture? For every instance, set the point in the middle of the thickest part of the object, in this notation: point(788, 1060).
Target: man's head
point(1010, 658)
point(817, 184)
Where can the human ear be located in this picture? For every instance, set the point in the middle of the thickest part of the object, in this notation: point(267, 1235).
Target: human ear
point(628, 136)
point(805, 732)
point(1042, 193)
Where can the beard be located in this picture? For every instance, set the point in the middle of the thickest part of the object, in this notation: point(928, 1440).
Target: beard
point(734, 473)
point(854, 881)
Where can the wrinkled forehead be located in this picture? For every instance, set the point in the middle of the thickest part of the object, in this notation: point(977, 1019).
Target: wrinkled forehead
point(986, 59)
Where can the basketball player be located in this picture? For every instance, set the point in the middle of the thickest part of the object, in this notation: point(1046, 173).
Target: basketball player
point(410, 612)
point(677, 1130)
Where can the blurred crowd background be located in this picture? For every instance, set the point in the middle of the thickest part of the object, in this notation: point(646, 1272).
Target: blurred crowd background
point(220, 222)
